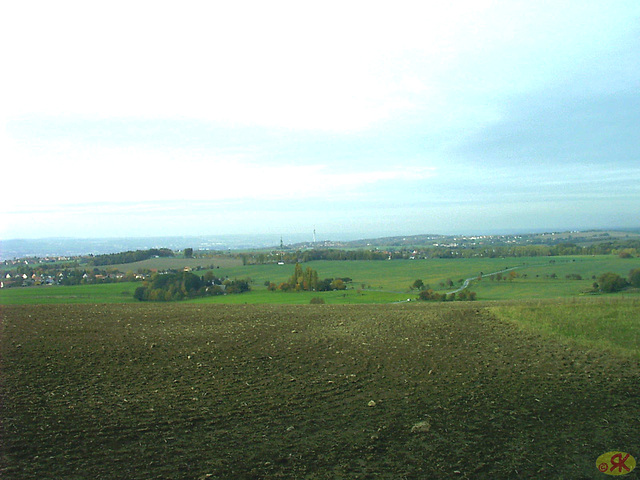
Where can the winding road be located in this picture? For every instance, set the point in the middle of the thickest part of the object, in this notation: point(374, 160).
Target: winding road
point(470, 279)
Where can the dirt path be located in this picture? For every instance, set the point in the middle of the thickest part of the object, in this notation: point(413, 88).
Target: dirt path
point(483, 275)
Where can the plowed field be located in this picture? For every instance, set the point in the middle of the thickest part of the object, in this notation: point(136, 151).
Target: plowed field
point(310, 392)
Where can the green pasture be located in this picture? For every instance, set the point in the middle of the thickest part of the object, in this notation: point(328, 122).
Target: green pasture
point(175, 263)
point(373, 281)
point(388, 275)
point(603, 323)
point(536, 278)
point(398, 275)
point(47, 294)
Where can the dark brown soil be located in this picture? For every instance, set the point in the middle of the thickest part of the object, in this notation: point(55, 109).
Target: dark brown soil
point(304, 392)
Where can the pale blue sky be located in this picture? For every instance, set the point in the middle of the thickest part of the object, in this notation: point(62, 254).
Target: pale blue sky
point(353, 118)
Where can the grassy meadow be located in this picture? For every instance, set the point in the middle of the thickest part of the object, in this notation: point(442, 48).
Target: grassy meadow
point(373, 281)
point(52, 294)
point(396, 276)
point(165, 263)
point(603, 324)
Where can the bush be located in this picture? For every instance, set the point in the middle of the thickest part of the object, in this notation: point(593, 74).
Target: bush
point(466, 295)
point(634, 277)
point(140, 294)
point(317, 301)
point(611, 282)
point(431, 296)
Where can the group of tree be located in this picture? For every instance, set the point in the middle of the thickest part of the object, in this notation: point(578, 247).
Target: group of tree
point(429, 295)
point(624, 249)
point(337, 254)
point(303, 256)
point(129, 257)
point(420, 285)
point(308, 280)
point(612, 282)
point(184, 285)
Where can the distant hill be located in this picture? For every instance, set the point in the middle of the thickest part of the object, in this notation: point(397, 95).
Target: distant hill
point(66, 247)
point(46, 247)
point(587, 237)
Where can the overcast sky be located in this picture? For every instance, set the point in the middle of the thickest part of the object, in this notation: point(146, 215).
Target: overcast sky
point(353, 118)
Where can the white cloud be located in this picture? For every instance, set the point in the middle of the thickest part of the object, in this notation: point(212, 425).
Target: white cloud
point(83, 173)
point(331, 66)
point(432, 72)
point(276, 64)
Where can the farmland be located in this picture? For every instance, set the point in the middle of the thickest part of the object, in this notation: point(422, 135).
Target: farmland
point(535, 380)
point(411, 391)
point(107, 293)
point(373, 281)
point(179, 263)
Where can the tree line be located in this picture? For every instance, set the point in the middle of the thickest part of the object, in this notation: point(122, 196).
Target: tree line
point(129, 256)
point(308, 280)
point(303, 256)
point(430, 295)
point(185, 285)
point(625, 249)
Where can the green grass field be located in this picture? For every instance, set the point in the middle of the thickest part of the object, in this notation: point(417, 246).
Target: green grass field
point(51, 294)
point(398, 275)
point(394, 275)
point(373, 281)
point(177, 263)
point(605, 323)
point(539, 282)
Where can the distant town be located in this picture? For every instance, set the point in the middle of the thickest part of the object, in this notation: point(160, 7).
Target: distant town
point(127, 266)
